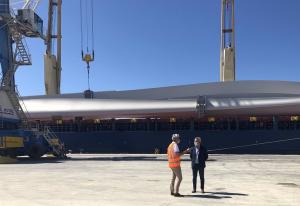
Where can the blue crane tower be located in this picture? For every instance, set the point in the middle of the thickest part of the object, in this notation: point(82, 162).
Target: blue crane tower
point(6, 58)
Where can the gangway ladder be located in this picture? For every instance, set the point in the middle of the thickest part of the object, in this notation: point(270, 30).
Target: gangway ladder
point(54, 142)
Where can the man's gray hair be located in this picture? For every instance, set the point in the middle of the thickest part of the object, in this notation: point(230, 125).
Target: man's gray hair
point(175, 136)
point(198, 139)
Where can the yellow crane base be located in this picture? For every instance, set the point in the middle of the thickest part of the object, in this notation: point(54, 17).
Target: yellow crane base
point(7, 160)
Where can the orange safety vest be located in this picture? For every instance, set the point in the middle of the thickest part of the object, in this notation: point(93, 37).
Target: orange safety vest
point(173, 158)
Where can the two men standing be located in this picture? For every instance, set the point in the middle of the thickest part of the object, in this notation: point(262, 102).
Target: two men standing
point(198, 155)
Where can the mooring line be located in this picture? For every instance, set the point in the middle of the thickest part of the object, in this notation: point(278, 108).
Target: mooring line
point(251, 145)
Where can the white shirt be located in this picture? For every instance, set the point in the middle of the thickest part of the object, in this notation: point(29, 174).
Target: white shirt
point(176, 148)
point(197, 153)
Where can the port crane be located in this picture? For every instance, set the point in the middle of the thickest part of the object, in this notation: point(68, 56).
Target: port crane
point(14, 28)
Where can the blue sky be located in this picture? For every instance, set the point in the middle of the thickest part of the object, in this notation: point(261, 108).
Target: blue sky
point(152, 43)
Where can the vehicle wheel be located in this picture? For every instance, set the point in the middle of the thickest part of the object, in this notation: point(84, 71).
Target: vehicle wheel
point(36, 151)
point(12, 154)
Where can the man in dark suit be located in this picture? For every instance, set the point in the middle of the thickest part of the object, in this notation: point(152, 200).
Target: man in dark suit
point(198, 155)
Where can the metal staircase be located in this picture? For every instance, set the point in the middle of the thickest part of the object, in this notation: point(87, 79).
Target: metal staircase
point(56, 145)
point(22, 56)
point(14, 97)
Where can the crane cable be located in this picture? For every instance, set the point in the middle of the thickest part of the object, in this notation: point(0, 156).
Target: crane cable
point(87, 26)
point(81, 29)
point(92, 7)
point(87, 57)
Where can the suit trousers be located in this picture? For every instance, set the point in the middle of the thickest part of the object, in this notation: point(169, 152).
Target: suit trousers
point(197, 168)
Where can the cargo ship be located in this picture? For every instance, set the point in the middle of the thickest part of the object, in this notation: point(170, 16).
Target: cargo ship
point(253, 117)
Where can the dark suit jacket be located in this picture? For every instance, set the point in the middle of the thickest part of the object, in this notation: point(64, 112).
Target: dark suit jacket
point(202, 157)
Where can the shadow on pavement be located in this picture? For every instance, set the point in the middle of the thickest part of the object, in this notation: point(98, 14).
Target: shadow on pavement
point(288, 184)
point(217, 195)
point(228, 193)
point(208, 196)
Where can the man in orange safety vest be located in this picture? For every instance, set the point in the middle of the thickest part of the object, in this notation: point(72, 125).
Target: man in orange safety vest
point(174, 164)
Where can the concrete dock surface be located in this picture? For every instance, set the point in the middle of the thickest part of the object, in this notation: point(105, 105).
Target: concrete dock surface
point(142, 180)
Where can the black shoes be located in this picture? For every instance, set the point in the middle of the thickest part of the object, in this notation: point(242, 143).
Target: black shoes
point(194, 191)
point(202, 191)
point(178, 195)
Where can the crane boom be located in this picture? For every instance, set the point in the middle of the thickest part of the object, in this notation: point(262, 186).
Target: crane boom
point(52, 62)
point(227, 54)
